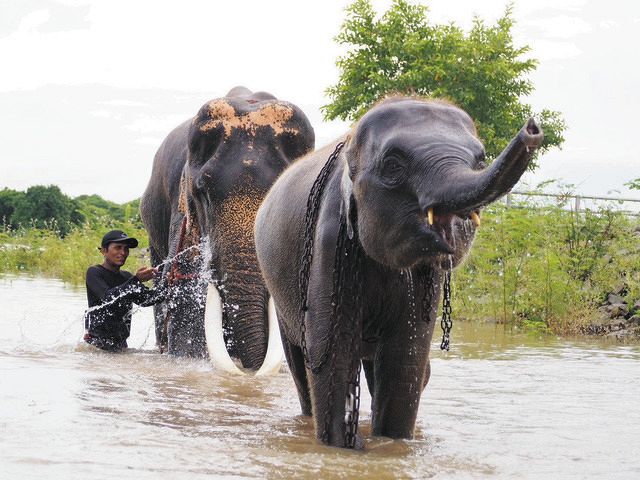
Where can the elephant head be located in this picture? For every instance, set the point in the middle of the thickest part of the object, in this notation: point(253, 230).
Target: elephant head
point(416, 173)
point(236, 148)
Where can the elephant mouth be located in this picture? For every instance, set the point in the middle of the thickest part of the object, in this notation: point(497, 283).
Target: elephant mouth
point(441, 224)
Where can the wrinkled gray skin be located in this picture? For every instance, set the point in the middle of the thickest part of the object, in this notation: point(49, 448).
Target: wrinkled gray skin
point(215, 169)
point(402, 158)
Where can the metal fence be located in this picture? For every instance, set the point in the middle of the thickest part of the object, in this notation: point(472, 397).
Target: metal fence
point(582, 203)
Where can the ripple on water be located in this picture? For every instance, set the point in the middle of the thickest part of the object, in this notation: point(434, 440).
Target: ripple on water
point(498, 405)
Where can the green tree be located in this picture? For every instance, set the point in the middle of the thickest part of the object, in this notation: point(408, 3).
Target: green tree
point(47, 207)
point(97, 210)
point(402, 52)
point(8, 200)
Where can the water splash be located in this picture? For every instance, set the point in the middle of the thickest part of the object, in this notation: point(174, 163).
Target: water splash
point(413, 317)
point(121, 295)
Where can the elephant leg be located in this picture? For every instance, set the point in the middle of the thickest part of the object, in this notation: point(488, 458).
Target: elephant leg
point(400, 371)
point(367, 366)
point(160, 312)
point(295, 361)
point(160, 309)
point(186, 300)
point(329, 389)
point(185, 327)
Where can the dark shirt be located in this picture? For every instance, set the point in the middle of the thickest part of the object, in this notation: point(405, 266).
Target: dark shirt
point(109, 325)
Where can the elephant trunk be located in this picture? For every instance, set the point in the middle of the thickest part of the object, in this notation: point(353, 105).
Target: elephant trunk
point(216, 345)
point(245, 307)
point(473, 190)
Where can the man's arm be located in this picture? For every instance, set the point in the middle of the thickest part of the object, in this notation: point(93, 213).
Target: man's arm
point(98, 287)
point(146, 296)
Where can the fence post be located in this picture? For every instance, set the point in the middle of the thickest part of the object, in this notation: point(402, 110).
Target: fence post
point(577, 204)
point(508, 200)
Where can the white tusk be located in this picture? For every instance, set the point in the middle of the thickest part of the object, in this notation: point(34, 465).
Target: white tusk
point(213, 333)
point(430, 216)
point(476, 218)
point(273, 358)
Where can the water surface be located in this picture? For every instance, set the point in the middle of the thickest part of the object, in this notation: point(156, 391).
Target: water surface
point(499, 405)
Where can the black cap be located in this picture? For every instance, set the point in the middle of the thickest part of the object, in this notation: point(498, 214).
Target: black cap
point(119, 236)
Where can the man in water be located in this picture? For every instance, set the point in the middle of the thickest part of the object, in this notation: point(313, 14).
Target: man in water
point(111, 293)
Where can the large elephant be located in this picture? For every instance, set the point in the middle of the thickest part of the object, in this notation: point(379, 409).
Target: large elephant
point(209, 177)
point(355, 241)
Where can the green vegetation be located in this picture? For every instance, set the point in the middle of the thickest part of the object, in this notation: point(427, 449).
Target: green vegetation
point(402, 52)
point(47, 208)
point(40, 251)
point(44, 232)
point(549, 268)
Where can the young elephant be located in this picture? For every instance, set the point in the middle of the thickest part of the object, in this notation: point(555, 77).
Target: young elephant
point(208, 180)
point(354, 242)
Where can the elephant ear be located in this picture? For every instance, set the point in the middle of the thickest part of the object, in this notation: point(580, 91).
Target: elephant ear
point(348, 203)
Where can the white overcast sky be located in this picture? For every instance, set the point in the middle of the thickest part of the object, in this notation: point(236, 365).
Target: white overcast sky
point(89, 89)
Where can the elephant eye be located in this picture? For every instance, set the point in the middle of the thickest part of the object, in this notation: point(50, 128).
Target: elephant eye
point(393, 170)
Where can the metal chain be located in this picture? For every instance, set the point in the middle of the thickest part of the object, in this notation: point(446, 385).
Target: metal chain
point(331, 344)
point(346, 297)
point(446, 323)
point(352, 401)
point(427, 277)
point(346, 272)
point(311, 218)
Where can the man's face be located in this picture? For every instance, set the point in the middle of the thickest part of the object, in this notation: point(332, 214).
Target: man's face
point(116, 253)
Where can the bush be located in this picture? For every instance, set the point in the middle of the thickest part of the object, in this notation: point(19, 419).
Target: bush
point(42, 252)
point(547, 267)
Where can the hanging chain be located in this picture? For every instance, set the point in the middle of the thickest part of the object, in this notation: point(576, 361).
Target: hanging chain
point(346, 271)
point(427, 278)
point(346, 288)
point(352, 400)
point(311, 218)
point(446, 323)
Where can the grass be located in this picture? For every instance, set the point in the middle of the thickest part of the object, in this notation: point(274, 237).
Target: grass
point(42, 252)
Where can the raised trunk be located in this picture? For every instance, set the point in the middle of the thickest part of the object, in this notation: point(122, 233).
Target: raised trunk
point(474, 189)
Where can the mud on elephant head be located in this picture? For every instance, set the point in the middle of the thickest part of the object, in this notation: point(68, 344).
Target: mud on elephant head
point(356, 276)
point(209, 178)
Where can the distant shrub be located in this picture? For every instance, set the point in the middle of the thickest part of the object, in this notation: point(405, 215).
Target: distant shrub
point(547, 267)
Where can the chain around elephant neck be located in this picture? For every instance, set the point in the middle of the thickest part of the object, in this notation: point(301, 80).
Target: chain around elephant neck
point(311, 218)
point(346, 288)
point(446, 323)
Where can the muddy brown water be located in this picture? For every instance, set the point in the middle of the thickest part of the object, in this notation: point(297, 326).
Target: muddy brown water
point(499, 405)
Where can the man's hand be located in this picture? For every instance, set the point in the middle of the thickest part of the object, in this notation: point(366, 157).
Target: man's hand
point(146, 273)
